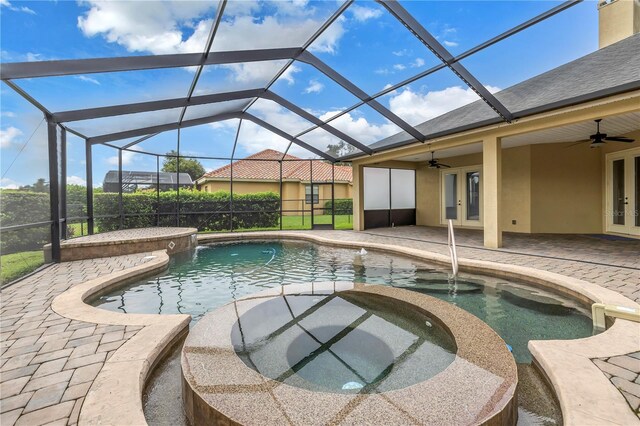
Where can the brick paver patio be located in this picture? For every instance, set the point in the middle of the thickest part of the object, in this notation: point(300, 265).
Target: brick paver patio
point(48, 363)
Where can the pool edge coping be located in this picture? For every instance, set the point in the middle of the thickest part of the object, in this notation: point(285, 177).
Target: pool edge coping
point(106, 403)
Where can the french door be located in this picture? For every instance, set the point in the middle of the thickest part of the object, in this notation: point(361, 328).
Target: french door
point(461, 196)
point(623, 192)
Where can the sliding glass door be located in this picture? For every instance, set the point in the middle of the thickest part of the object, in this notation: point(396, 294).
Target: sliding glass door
point(623, 192)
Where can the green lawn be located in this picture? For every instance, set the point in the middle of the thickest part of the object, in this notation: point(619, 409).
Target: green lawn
point(300, 222)
point(13, 266)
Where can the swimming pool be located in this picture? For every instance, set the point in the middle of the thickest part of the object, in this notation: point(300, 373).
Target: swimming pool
point(213, 275)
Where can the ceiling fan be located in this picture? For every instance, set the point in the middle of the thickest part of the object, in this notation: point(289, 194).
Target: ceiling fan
point(435, 164)
point(599, 139)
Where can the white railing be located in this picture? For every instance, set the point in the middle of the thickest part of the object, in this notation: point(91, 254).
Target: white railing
point(451, 241)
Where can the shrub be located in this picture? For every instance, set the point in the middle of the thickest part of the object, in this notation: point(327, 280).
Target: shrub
point(342, 206)
point(206, 211)
point(23, 207)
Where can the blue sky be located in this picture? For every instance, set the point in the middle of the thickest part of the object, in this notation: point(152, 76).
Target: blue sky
point(366, 45)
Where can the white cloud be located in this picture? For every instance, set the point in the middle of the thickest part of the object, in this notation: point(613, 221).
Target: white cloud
point(23, 9)
point(314, 87)
point(8, 114)
point(419, 62)
point(362, 14)
point(147, 26)
point(182, 27)
point(254, 138)
point(88, 79)
point(33, 57)
point(416, 107)
point(403, 52)
point(360, 128)
point(449, 43)
point(127, 158)
point(6, 183)
point(77, 180)
point(9, 136)
point(260, 73)
point(399, 67)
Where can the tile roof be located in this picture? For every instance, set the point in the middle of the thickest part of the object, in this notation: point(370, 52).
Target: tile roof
point(608, 71)
point(261, 166)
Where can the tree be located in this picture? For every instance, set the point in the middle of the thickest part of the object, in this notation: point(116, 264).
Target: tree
point(187, 165)
point(341, 149)
point(40, 186)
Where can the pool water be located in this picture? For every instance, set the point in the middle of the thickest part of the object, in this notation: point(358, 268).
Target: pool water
point(213, 275)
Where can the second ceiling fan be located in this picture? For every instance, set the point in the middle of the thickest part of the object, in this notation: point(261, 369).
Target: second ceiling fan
point(436, 164)
point(599, 139)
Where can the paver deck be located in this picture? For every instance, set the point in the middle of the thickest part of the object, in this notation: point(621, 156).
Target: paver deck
point(48, 362)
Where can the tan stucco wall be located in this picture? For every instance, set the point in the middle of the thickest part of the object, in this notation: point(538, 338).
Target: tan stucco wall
point(566, 189)
point(618, 20)
point(516, 200)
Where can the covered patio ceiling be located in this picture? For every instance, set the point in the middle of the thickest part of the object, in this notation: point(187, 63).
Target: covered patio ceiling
point(615, 125)
point(139, 121)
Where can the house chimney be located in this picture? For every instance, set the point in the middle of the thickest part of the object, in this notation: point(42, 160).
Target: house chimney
point(617, 20)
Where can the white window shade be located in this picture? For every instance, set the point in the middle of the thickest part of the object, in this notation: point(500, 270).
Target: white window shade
point(403, 189)
point(376, 189)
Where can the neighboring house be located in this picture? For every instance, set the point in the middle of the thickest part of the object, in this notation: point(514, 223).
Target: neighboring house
point(132, 180)
point(260, 172)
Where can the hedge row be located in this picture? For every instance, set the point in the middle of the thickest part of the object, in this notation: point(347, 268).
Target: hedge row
point(206, 211)
point(21, 207)
point(343, 206)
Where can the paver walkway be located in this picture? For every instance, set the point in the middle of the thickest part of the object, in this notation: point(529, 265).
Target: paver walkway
point(48, 363)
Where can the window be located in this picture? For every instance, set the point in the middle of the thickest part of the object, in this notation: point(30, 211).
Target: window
point(307, 194)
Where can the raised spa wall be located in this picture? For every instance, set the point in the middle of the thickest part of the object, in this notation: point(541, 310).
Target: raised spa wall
point(478, 387)
point(173, 240)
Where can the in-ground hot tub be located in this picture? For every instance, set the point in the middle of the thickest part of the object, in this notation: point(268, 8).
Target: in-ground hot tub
point(345, 353)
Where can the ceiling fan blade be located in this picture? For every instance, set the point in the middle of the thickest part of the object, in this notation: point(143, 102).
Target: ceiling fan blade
point(444, 165)
point(619, 139)
point(578, 143)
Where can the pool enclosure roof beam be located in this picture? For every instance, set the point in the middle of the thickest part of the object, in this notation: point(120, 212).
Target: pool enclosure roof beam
point(110, 111)
point(547, 14)
point(205, 120)
point(316, 121)
point(446, 57)
point(19, 70)
point(9, 71)
point(212, 34)
point(314, 61)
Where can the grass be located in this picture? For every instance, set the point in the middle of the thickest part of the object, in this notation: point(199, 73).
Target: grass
point(17, 265)
point(300, 223)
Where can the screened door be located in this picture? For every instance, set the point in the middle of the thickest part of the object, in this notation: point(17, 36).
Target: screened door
point(320, 198)
point(623, 192)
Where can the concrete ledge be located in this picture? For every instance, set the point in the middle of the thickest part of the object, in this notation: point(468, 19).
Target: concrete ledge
point(585, 394)
point(129, 241)
point(115, 397)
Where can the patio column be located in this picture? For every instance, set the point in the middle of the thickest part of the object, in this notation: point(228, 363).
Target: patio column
point(492, 188)
point(358, 198)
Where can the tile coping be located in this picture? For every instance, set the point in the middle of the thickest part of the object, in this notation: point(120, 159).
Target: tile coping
point(115, 397)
